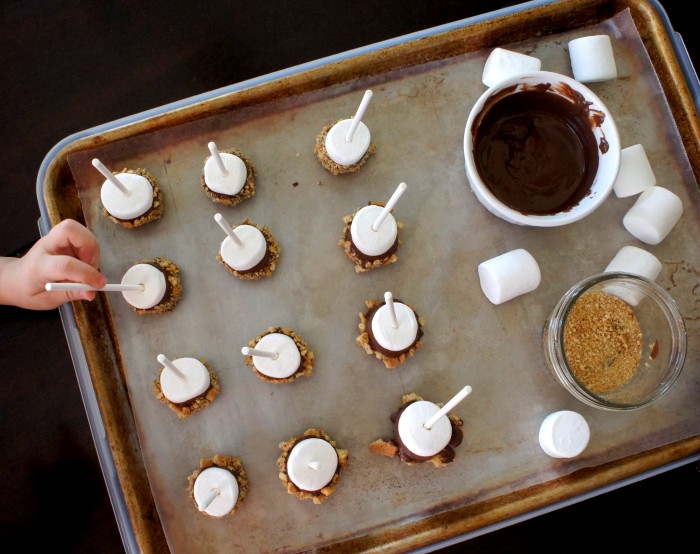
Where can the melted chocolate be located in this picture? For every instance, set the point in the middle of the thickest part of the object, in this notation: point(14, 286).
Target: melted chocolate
point(536, 151)
point(446, 455)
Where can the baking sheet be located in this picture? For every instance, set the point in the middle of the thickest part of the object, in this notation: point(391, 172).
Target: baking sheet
point(417, 119)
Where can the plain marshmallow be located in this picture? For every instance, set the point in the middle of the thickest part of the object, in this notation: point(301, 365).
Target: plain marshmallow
point(635, 174)
point(503, 64)
point(564, 434)
point(592, 59)
point(509, 275)
point(655, 213)
point(631, 259)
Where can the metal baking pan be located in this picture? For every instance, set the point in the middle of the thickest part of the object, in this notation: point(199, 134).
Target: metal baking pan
point(499, 475)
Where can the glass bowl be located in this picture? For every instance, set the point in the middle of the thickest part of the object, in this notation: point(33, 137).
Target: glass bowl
point(615, 341)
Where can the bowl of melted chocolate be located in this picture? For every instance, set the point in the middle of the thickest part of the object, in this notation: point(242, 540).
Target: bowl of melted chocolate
point(541, 150)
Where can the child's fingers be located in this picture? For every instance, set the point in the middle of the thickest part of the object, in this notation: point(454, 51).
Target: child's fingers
point(70, 237)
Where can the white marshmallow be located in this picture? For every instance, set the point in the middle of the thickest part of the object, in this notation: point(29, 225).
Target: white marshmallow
point(631, 259)
point(366, 239)
point(216, 491)
point(401, 337)
point(252, 252)
point(653, 215)
point(122, 206)
point(509, 275)
point(419, 440)
point(564, 434)
point(230, 184)
point(340, 150)
point(196, 381)
point(503, 64)
point(635, 174)
point(288, 356)
point(312, 463)
point(592, 59)
point(153, 281)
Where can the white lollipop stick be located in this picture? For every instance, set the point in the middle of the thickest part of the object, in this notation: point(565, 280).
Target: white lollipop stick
point(229, 230)
point(80, 286)
point(389, 299)
point(315, 465)
point(110, 176)
point(207, 501)
point(217, 158)
point(389, 206)
point(172, 367)
point(358, 116)
point(262, 353)
point(461, 395)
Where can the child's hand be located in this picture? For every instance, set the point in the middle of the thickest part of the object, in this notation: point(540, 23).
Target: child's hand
point(69, 252)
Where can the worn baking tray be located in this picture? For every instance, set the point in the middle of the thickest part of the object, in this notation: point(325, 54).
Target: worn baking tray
point(106, 377)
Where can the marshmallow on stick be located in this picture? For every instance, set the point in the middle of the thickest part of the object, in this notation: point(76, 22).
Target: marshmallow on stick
point(279, 355)
point(218, 486)
point(592, 59)
point(503, 64)
point(653, 215)
point(130, 198)
point(345, 146)
point(228, 176)
point(248, 252)
point(185, 385)
point(154, 286)
point(509, 275)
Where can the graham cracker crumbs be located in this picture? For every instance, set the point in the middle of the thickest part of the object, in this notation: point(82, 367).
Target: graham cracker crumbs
point(602, 342)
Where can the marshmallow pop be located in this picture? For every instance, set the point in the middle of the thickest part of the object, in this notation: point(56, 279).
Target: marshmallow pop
point(424, 431)
point(345, 146)
point(310, 465)
point(279, 355)
point(185, 385)
point(218, 486)
point(390, 331)
point(248, 251)
point(371, 235)
point(130, 198)
point(228, 176)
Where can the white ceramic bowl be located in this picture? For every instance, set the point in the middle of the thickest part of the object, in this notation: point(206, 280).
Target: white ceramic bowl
point(608, 162)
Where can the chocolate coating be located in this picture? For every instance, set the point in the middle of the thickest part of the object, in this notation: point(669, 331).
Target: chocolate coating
point(536, 150)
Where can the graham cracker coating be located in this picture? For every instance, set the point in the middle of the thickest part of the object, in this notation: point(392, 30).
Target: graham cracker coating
point(390, 447)
point(361, 265)
point(390, 362)
point(328, 163)
point(318, 496)
point(228, 463)
point(153, 213)
point(195, 404)
point(273, 253)
point(307, 356)
point(246, 192)
point(173, 287)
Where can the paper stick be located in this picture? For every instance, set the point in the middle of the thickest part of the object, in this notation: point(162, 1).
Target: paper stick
point(114, 287)
point(110, 176)
point(171, 366)
point(217, 158)
point(461, 395)
point(315, 465)
point(262, 353)
point(389, 206)
point(389, 300)
point(229, 230)
point(358, 116)
point(207, 502)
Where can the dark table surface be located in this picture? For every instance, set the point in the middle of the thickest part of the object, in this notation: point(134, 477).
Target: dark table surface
point(69, 66)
